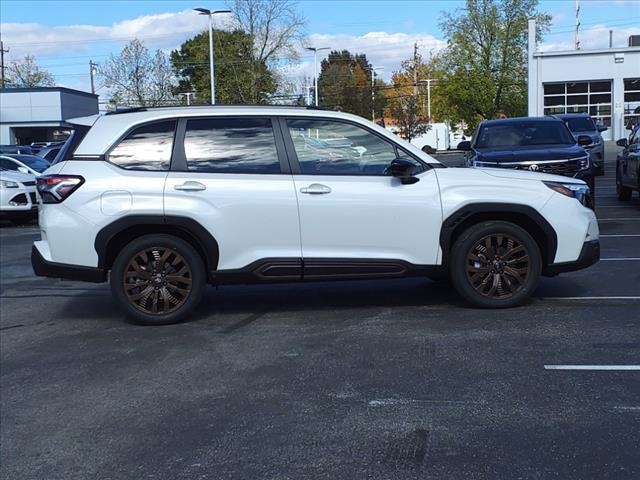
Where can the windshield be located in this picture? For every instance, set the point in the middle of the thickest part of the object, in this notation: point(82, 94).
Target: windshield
point(513, 134)
point(580, 124)
point(39, 164)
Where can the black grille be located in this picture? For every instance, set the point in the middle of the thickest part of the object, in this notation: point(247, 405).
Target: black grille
point(568, 168)
point(29, 184)
point(34, 199)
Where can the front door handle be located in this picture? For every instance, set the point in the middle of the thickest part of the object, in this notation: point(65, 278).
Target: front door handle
point(190, 186)
point(316, 189)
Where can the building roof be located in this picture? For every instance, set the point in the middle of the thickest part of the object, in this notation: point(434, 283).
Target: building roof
point(600, 51)
point(48, 89)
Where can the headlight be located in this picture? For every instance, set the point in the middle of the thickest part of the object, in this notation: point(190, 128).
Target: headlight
point(8, 184)
point(578, 191)
point(583, 162)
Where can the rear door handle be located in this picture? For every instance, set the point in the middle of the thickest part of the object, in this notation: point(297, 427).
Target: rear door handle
point(316, 189)
point(190, 187)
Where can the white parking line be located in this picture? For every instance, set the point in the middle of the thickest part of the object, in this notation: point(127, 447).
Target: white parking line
point(592, 298)
point(592, 367)
point(621, 235)
point(632, 259)
point(616, 219)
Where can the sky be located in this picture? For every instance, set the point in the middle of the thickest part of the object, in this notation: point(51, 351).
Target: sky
point(65, 35)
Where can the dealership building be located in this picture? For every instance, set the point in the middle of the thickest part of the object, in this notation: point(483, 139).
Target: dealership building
point(603, 83)
point(40, 114)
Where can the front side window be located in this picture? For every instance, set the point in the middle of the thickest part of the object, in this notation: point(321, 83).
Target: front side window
point(231, 145)
point(327, 147)
point(146, 148)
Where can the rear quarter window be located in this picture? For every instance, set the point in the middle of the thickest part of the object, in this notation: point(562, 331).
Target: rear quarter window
point(147, 147)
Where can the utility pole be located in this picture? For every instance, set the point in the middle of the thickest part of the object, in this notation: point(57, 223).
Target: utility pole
point(415, 71)
point(577, 24)
point(373, 92)
point(93, 68)
point(2, 67)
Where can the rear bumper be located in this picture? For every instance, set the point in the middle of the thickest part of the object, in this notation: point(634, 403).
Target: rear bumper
point(589, 255)
point(44, 268)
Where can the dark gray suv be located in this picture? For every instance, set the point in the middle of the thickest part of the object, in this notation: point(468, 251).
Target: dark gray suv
point(583, 124)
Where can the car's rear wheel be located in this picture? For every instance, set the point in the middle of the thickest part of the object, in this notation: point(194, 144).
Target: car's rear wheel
point(624, 193)
point(495, 264)
point(158, 279)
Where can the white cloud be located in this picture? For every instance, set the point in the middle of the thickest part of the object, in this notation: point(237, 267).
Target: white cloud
point(595, 37)
point(382, 49)
point(163, 30)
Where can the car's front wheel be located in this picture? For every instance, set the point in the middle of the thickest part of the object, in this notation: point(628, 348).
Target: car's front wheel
point(495, 264)
point(158, 279)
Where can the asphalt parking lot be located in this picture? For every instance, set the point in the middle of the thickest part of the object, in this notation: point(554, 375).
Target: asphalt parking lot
point(393, 379)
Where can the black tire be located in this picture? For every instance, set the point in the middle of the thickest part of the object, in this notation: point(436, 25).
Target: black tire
point(510, 244)
point(183, 286)
point(624, 193)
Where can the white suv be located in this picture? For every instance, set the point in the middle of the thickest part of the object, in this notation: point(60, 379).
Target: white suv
point(169, 199)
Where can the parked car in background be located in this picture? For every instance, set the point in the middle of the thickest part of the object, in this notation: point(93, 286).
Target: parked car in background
point(538, 144)
point(583, 124)
point(628, 165)
point(37, 146)
point(19, 149)
point(49, 153)
point(437, 138)
point(161, 201)
point(31, 164)
point(18, 197)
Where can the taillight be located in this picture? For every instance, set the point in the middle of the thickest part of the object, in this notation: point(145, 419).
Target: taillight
point(56, 188)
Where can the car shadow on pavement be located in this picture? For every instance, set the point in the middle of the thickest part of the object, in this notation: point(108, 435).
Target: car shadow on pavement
point(244, 300)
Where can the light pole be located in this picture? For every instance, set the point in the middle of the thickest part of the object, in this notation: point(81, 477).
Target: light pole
point(373, 92)
point(428, 82)
point(211, 13)
point(315, 67)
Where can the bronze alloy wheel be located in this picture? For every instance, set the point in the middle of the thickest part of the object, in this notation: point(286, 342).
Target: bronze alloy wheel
point(497, 266)
point(157, 280)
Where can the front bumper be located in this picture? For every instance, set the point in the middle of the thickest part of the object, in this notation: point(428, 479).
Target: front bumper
point(45, 268)
point(589, 255)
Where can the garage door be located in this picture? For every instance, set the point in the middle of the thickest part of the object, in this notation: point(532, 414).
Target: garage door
point(593, 97)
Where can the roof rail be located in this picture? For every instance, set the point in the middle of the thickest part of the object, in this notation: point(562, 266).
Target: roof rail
point(144, 109)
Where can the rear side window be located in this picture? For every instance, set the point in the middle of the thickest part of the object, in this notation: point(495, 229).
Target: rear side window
point(231, 145)
point(146, 148)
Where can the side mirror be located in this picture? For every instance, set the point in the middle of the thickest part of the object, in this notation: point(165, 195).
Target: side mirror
point(403, 170)
point(584, 140)
point(623, 142)
point(464, 145)
point(23, 169)
point(602, 128)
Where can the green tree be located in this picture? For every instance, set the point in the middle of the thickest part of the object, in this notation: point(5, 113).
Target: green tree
point(136, 77)
point(482, 72)
point(238, 81)
point(344, 84)
point(25, 72)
